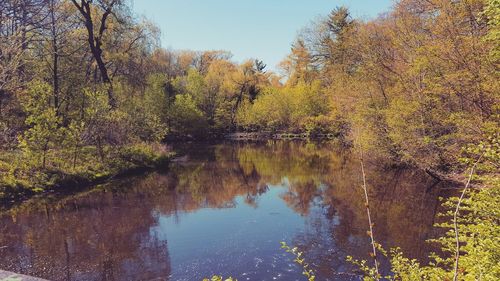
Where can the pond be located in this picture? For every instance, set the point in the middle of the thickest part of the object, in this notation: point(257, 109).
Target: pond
point(224, 209)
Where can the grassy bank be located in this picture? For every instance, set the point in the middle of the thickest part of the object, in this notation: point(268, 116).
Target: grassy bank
point(22, 176)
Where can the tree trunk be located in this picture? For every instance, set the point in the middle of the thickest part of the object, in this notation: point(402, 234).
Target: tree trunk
point(44, 157)
point(75, 156)
point(95, 43)
point(95, 48)
point(55, 61)
point(1, 101)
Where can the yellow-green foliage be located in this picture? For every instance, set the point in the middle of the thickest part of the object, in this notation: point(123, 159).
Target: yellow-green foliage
point(148, 114)
point(186, 118)
point(219, 278)
point(45, 132)
point(104, 143)
point(19, 176)
point(416, 84)
point(303, 107)
point(492, 14)
point(300, 260)
point(478, 229)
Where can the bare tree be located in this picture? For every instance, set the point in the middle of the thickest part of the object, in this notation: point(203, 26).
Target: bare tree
point(95, 37)
point(19, 23)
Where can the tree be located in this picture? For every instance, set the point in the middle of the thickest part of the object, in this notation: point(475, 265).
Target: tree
point(187, 119)
point(298, 66)
point(291, 108)
point(56, 49)
point(18, 22)
point(45, 130)
point(492, 14)
point(95, 36)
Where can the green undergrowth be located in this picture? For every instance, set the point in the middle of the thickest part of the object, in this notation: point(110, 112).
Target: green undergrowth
point(23, 175)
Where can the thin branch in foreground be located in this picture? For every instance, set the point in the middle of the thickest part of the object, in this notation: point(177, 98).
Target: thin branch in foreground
point(367, 204)
point(455, 217)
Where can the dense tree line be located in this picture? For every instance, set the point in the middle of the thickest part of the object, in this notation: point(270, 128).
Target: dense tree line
point(76, 55)
point(72, 78)
point(417, 83)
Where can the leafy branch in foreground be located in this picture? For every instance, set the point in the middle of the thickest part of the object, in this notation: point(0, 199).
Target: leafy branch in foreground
point(455, 217)
point(308, 272)
point(219, 278)
point(477, 244)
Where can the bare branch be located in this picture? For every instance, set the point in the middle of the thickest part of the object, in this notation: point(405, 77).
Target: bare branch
point(368, 213)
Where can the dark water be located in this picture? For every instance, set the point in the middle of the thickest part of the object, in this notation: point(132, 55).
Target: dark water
point(223, 209)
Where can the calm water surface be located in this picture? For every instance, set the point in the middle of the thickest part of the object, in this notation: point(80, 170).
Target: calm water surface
point(223, 209)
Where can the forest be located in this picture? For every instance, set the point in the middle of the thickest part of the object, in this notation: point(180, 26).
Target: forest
point(88, 93)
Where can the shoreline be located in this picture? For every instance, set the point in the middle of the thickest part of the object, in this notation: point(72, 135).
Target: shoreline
point(70, 183)
point(279, 136)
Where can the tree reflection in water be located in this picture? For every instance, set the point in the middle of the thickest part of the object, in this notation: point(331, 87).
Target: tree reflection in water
point(113, 232)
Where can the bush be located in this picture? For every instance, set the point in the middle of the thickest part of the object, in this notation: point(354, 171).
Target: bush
point(144, 154)
point(326, 125)
point(186, 118)
point(287, 109)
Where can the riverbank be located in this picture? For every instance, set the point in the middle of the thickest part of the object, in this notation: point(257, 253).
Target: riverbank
point(452, 176)
point(279, 136)
point(257, 136)
point(455, 178)
point(21, 178)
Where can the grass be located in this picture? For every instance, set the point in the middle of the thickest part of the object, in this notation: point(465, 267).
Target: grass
point(22, 176)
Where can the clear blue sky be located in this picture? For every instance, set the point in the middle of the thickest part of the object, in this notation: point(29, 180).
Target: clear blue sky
point(262, 29)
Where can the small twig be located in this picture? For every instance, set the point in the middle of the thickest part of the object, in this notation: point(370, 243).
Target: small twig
point(455, 217)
